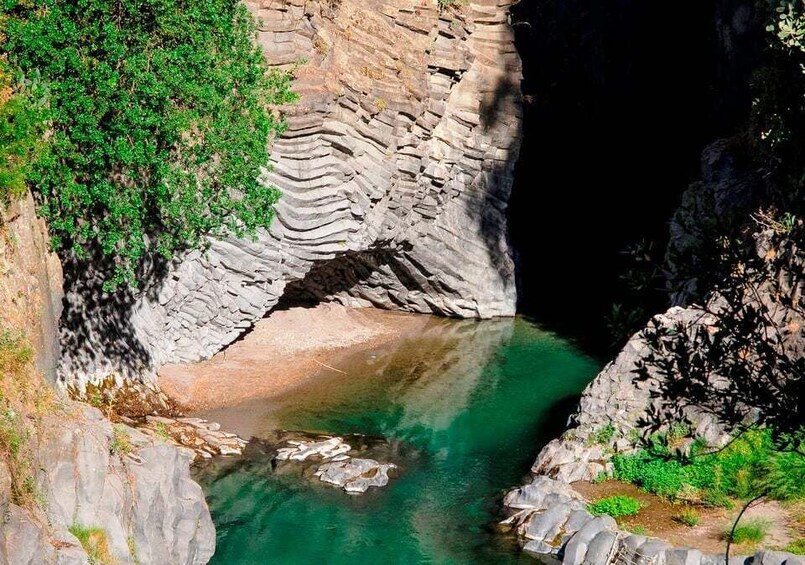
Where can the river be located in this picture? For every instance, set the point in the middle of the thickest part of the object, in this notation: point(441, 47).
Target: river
point(463, 406)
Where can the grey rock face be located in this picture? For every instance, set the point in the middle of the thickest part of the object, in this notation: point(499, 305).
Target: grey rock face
point(395, 171)
point(145, 498)
point(32, 280)
point(710, 207)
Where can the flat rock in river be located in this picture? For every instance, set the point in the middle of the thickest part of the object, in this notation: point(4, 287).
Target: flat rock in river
point(355, 475)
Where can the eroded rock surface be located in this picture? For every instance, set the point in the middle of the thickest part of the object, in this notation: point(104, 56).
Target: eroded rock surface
point(396, 169)
point(354, 474)
point(141, 496)
point(618, 410)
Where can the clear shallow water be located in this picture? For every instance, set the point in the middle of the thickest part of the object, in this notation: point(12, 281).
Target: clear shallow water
point(465, 407)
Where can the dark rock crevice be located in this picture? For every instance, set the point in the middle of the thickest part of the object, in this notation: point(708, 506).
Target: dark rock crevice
point(621, 98)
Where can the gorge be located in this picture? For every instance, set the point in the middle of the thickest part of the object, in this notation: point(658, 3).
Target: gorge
point(482, 203)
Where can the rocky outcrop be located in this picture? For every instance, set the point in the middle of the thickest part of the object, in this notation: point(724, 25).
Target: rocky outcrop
point(31, 287)
point(132, 488)
point(139, 493)
point(552, 519)
point(62, 464)
point(353, 474)
point(617, 410)
point(729, 188)
point(395, 169)
point(626, 404)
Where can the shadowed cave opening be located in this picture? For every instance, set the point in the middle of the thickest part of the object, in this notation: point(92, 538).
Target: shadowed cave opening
point(350, 277)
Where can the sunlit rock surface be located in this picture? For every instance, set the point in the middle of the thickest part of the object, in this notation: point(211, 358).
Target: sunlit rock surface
point(396, 169)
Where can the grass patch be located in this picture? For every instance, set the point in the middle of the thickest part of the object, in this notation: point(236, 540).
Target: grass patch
point(615, 506)
point(796, 547)
point(602, 436)
point(120, 441)
point(688, 516)
point(638, 530)
point(162, 431)
point(750, 532)
point(704, 477)
point(95, 542)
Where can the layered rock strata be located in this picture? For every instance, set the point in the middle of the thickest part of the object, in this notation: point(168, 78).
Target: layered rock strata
point(395, 169)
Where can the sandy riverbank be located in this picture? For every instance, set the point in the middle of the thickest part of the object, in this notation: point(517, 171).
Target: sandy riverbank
point(283, 351)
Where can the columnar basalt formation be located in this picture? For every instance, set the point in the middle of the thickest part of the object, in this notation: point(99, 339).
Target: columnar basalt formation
point(395, 169)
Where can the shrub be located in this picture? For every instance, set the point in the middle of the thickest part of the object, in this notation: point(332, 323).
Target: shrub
point(689, 517)
point(95, 543)
point(752, 531)
point(602, 435)
point(22, 113)
point(616, 506)
point(158, 120)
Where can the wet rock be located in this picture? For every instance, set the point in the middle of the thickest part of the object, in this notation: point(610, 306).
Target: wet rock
point(355, 475)
point(300, 450)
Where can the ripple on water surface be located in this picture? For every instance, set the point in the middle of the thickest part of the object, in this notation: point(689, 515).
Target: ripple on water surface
point(464, 407)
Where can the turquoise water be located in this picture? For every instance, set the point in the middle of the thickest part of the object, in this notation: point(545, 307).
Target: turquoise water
point(464, 406)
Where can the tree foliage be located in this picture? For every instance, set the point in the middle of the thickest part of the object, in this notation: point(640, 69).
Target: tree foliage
point(158, 118)
point(22, 112)
point(742, 360)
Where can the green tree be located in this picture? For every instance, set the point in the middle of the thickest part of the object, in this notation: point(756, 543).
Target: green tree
point(159, 117)
point(21, 131)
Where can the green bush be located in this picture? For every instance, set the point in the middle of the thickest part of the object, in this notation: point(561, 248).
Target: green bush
point(753, 532)
point(616, 506)
point(603, 435)
point(158, 118)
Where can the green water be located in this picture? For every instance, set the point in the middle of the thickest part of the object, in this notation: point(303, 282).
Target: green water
point(464, 406)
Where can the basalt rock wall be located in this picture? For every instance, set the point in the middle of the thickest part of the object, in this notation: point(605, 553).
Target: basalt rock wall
point(395, 169)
